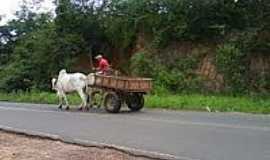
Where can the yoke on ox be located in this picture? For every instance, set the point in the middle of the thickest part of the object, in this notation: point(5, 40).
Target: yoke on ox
point(71, 82)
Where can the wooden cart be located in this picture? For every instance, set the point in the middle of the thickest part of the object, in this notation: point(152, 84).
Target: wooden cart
point(116, 91)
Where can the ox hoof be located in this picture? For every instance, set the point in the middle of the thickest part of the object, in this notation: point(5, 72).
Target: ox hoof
point(80, 109)
point(67, 108)
point(87, 108)
point(60, 107)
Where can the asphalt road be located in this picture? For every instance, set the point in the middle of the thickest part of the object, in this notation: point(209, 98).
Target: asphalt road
point(169, 134)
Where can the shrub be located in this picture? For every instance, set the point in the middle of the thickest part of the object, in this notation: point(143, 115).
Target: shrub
point(231, 62)
point(142, 65)
point(175, 77)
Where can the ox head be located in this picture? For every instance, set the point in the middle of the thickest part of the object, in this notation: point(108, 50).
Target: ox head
point(54, 81)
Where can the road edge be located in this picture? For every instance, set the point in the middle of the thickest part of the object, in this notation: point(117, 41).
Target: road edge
point(85, 143)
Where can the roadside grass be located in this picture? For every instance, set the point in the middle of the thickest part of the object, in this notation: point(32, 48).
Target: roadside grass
point(37, 97)
point(216, 103)
point(191, 102)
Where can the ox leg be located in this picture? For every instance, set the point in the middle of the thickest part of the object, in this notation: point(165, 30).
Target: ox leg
point(88, 100)
point(60, 99)
point(60, 102)
point(66, 101)
point(84, 99)
point(87, 93)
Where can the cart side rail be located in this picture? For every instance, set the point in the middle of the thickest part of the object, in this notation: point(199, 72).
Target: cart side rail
point(126, 84)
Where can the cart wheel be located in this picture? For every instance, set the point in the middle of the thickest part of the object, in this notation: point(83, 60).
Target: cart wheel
point(135, 101)
point(112, 102)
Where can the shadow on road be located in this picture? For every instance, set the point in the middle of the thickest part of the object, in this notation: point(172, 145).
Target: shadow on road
point(124, 111)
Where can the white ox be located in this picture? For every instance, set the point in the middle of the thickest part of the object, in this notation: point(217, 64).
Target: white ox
point(70, 82)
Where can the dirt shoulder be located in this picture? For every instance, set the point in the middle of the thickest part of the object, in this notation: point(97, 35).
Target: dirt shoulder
point(19, 147)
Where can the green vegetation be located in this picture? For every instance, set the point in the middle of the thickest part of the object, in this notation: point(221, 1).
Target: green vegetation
point(174, 74)
point(36, 97)
point(35, 46)
point(216, 103)
point(233, 64)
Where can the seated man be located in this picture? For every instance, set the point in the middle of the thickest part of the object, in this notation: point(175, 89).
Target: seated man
point(103, 65)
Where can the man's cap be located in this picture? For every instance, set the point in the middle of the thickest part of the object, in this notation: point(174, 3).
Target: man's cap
point(98, 56)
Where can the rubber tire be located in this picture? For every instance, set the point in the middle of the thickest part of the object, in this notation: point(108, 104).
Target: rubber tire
point(135, 101)
point(113, 107)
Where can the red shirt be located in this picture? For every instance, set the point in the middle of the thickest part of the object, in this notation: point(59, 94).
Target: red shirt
point(103, 65)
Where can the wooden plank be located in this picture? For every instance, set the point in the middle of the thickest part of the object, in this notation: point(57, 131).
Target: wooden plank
point(124, 83)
